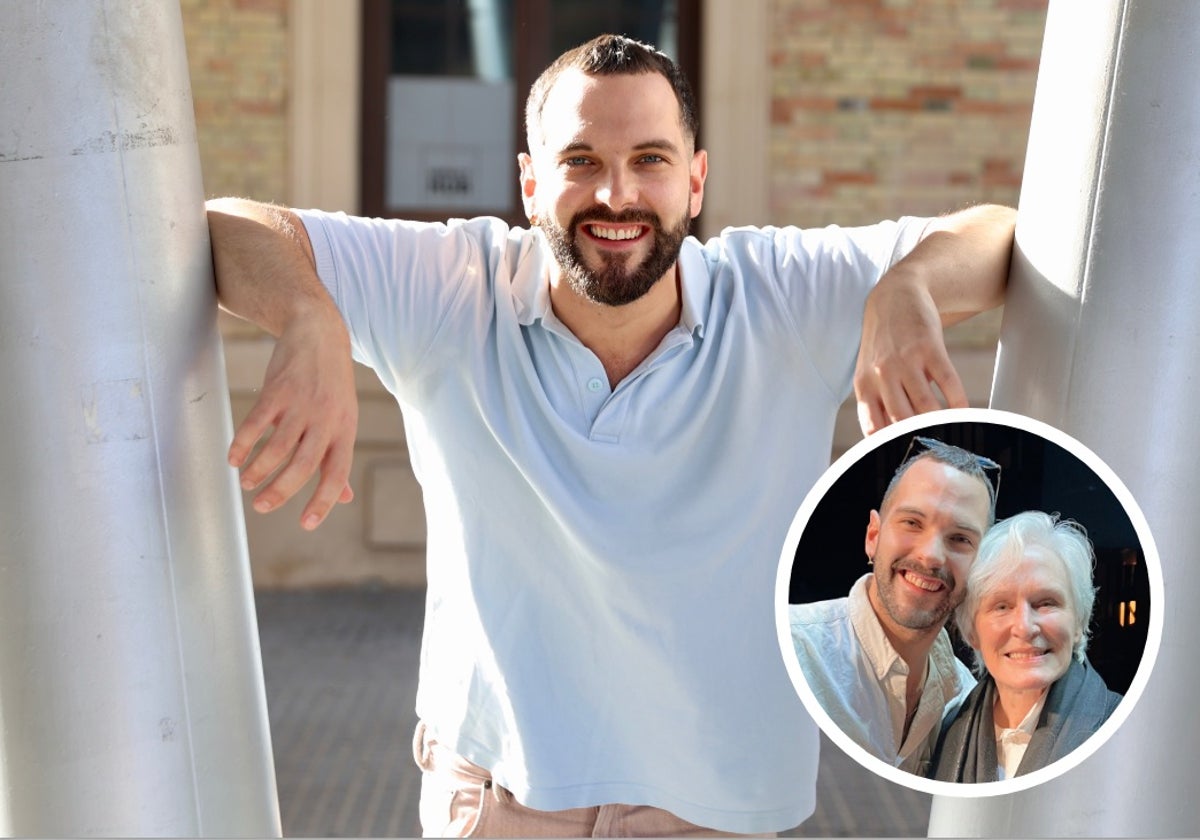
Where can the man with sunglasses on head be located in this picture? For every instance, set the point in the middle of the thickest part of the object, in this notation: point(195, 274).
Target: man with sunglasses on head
point(613, 425)
point(880, 661)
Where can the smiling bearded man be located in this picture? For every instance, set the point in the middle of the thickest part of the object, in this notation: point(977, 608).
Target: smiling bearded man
point(880, 661)
point(613, 425)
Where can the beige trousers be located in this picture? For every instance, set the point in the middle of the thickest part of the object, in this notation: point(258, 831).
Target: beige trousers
point(459, 799)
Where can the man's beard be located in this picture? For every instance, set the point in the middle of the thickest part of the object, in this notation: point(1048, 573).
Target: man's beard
point(614, 283)
point(909, 616)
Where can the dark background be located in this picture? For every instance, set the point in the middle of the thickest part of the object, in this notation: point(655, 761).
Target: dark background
point(1036, 474)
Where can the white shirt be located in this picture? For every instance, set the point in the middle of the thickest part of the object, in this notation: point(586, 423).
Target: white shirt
point(1012, 743)
point(860, 680)
point(601, 562)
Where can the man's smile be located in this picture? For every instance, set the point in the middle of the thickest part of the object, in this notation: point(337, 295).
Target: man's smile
point(615, 233)
point(926, 583)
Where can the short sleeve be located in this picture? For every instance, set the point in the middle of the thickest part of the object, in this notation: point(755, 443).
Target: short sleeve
point(395, 282)
point(825, 275)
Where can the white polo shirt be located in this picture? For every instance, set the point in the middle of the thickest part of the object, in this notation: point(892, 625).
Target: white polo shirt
point(601, 562)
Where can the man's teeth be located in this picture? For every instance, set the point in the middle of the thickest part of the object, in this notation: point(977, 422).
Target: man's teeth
point(923, 583)
point(615, 233)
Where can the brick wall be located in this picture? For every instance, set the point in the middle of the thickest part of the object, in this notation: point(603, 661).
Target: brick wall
point(881, 108)
point(885, 107)
point(238, 59)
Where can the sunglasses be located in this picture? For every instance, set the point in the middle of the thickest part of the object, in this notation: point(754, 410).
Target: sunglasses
point(936, 446)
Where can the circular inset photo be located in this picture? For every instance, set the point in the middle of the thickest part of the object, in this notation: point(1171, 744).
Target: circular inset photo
point(969, 602)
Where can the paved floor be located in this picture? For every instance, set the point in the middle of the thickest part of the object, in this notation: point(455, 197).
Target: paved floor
point(341, 668)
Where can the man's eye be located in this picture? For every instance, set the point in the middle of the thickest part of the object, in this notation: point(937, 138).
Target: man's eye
point(652, 159)
point(575, 161)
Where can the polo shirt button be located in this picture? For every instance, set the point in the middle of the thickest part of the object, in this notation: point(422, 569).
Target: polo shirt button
point(595, 385)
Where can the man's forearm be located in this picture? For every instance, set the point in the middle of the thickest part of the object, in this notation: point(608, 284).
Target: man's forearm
point(306, 416)
point(963, 261)
point(264, 265)
point(959, 268)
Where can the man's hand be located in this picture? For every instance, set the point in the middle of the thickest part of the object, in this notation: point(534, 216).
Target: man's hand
point(306, 420)
point(902, 357)
point(959, 268)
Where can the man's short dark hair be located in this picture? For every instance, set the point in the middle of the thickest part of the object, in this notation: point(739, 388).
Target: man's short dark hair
point(612, 55)
point(960, 459)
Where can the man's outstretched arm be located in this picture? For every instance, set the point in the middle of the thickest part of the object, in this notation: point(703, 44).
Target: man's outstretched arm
point(307, 413)
point(960, 268)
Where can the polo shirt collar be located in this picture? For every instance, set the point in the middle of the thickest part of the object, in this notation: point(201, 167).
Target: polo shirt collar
point(695, 286)
point(531, 282)
point(531, 279)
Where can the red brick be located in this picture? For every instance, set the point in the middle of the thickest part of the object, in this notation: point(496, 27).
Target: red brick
point(838, 178)
point(936, 91)
point(891, 104)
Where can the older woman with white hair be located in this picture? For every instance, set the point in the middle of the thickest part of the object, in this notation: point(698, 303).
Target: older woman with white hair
point(1026, 615)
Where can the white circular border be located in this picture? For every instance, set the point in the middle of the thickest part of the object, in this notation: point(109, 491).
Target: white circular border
point(910, 426)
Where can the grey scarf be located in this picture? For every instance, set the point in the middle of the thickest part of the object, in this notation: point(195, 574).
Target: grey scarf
point(1077, 703)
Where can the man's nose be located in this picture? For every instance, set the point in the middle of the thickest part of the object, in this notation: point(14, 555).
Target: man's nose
point(931, 549)
point(617, 190)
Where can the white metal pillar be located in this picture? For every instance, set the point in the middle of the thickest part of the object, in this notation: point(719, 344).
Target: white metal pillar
point(131, 691)
point(1101, 338)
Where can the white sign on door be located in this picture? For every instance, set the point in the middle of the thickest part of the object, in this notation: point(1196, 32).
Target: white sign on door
point(450, 144)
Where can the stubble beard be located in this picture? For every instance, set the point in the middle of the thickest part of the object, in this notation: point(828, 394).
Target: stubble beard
point(614, 283)
point(908, 616)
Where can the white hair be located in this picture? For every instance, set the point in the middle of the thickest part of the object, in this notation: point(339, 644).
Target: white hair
point(1003, 548)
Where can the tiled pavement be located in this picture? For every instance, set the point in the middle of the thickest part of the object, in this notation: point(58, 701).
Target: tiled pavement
point(341, 668)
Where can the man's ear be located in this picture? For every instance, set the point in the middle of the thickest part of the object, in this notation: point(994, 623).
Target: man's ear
point(696, 176)
point(872, 540)
point(528, 186)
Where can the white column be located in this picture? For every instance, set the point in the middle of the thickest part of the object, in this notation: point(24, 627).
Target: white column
point(131, 691)
point(1101, 338)
point(736, 90)
point(325, 64)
